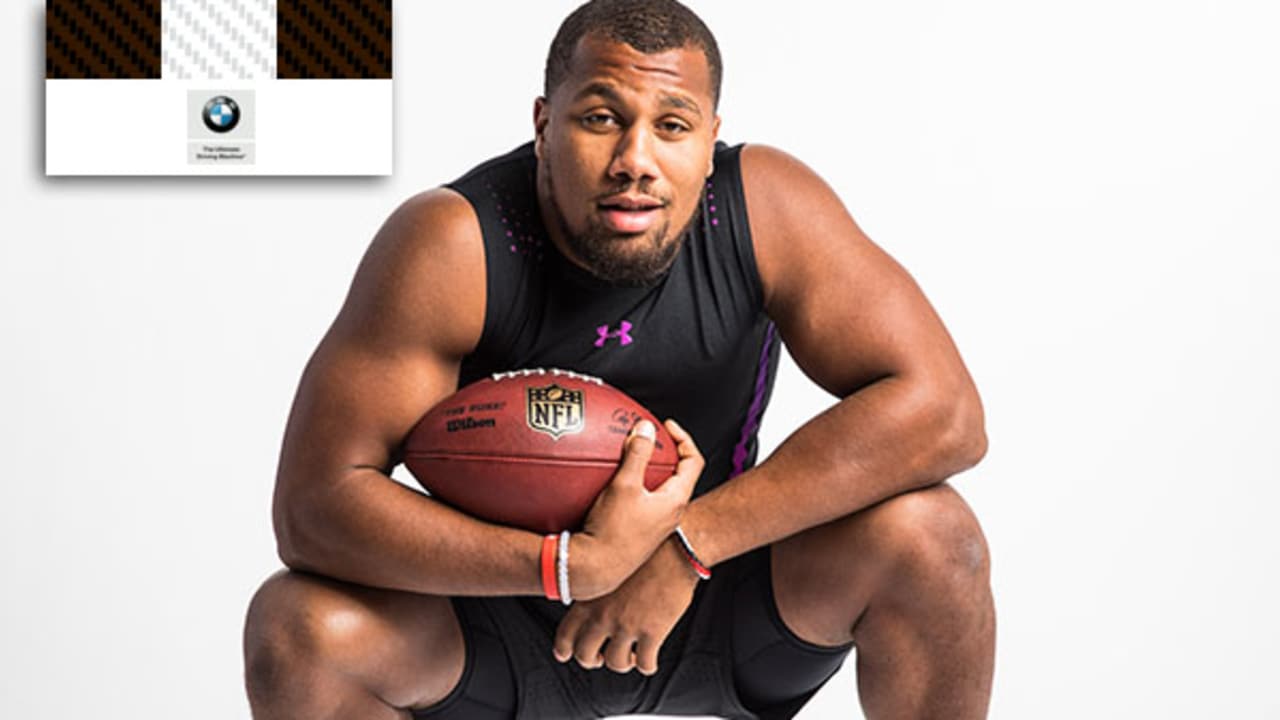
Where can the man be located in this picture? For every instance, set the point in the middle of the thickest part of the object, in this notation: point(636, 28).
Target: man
point(625, 243)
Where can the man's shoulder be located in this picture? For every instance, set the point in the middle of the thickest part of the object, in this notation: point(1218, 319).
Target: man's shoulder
point(438, 215)
point(768, 165)
point(419, 285)
point(432, 237)
point(796, 219)
point(779, 188)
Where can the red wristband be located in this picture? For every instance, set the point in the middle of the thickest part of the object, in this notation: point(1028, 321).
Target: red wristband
point(549, 586)
point(686, 548)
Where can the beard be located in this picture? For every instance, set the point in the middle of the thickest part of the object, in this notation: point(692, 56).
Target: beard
point(620, 260)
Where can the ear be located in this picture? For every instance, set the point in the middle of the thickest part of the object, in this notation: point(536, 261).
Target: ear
point(541, 116)
point(715, 135)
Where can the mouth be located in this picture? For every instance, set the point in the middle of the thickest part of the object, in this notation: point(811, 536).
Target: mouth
point(630, 214)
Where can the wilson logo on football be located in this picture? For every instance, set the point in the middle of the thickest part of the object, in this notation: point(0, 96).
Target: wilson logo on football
point(554, 410)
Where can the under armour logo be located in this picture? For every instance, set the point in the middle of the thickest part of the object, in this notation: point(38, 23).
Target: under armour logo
point(623, 334)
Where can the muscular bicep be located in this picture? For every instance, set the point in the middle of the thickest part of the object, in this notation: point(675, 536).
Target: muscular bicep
point(415, 307)
point(849, 313)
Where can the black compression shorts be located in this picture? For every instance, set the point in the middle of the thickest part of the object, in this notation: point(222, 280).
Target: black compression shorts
point(729, 656)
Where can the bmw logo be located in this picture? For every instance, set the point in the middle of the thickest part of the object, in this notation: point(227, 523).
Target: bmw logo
point(221, 114)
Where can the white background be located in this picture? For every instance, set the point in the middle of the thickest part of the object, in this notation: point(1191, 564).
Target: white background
point(1087, 191)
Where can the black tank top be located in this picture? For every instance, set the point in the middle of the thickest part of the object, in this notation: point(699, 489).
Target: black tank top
point(696, 346)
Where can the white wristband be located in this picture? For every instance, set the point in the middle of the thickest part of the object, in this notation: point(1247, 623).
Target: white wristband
point(562, 568)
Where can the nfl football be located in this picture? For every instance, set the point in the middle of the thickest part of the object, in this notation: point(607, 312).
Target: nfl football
point(530, 448)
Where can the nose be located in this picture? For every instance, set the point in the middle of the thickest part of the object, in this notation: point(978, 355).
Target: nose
point(633, 157)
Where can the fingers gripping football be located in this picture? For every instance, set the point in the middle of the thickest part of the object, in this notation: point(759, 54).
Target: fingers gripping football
point(627, 522)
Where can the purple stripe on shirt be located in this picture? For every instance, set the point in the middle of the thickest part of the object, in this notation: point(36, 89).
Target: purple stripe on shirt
point(757, 405)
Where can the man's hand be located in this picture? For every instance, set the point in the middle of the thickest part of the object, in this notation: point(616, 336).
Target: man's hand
point(626, 628)
point(627, 522)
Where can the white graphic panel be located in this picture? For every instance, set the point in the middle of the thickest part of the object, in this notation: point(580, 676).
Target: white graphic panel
point(218, 39)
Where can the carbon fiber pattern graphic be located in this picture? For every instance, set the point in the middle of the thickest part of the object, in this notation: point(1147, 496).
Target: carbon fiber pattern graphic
point(102, 39)
point(219, 39)
point(334, 39)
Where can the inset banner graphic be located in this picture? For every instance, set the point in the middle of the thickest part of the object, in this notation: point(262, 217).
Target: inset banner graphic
point(218, 87)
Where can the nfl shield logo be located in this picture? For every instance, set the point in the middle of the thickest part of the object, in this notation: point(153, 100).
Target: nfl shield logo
point(554, 410)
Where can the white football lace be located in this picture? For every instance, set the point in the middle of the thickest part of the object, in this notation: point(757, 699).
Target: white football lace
point(554, 372)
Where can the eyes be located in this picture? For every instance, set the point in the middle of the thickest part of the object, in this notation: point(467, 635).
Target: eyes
point(598, 121)
point(604, 121)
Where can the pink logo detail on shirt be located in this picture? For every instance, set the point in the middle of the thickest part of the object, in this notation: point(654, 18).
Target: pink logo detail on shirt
point(623, 334)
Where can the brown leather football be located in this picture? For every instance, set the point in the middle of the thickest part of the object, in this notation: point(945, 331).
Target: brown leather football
point(530, 448)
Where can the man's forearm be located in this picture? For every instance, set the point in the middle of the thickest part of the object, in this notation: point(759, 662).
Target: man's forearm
point(368, 529)
point(888, 438)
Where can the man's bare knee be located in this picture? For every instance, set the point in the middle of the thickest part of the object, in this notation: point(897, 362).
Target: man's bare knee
point(932, 539)
point(283, 629)
point(303, 631)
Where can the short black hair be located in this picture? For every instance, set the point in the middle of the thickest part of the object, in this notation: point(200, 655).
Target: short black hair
point(650, 26)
